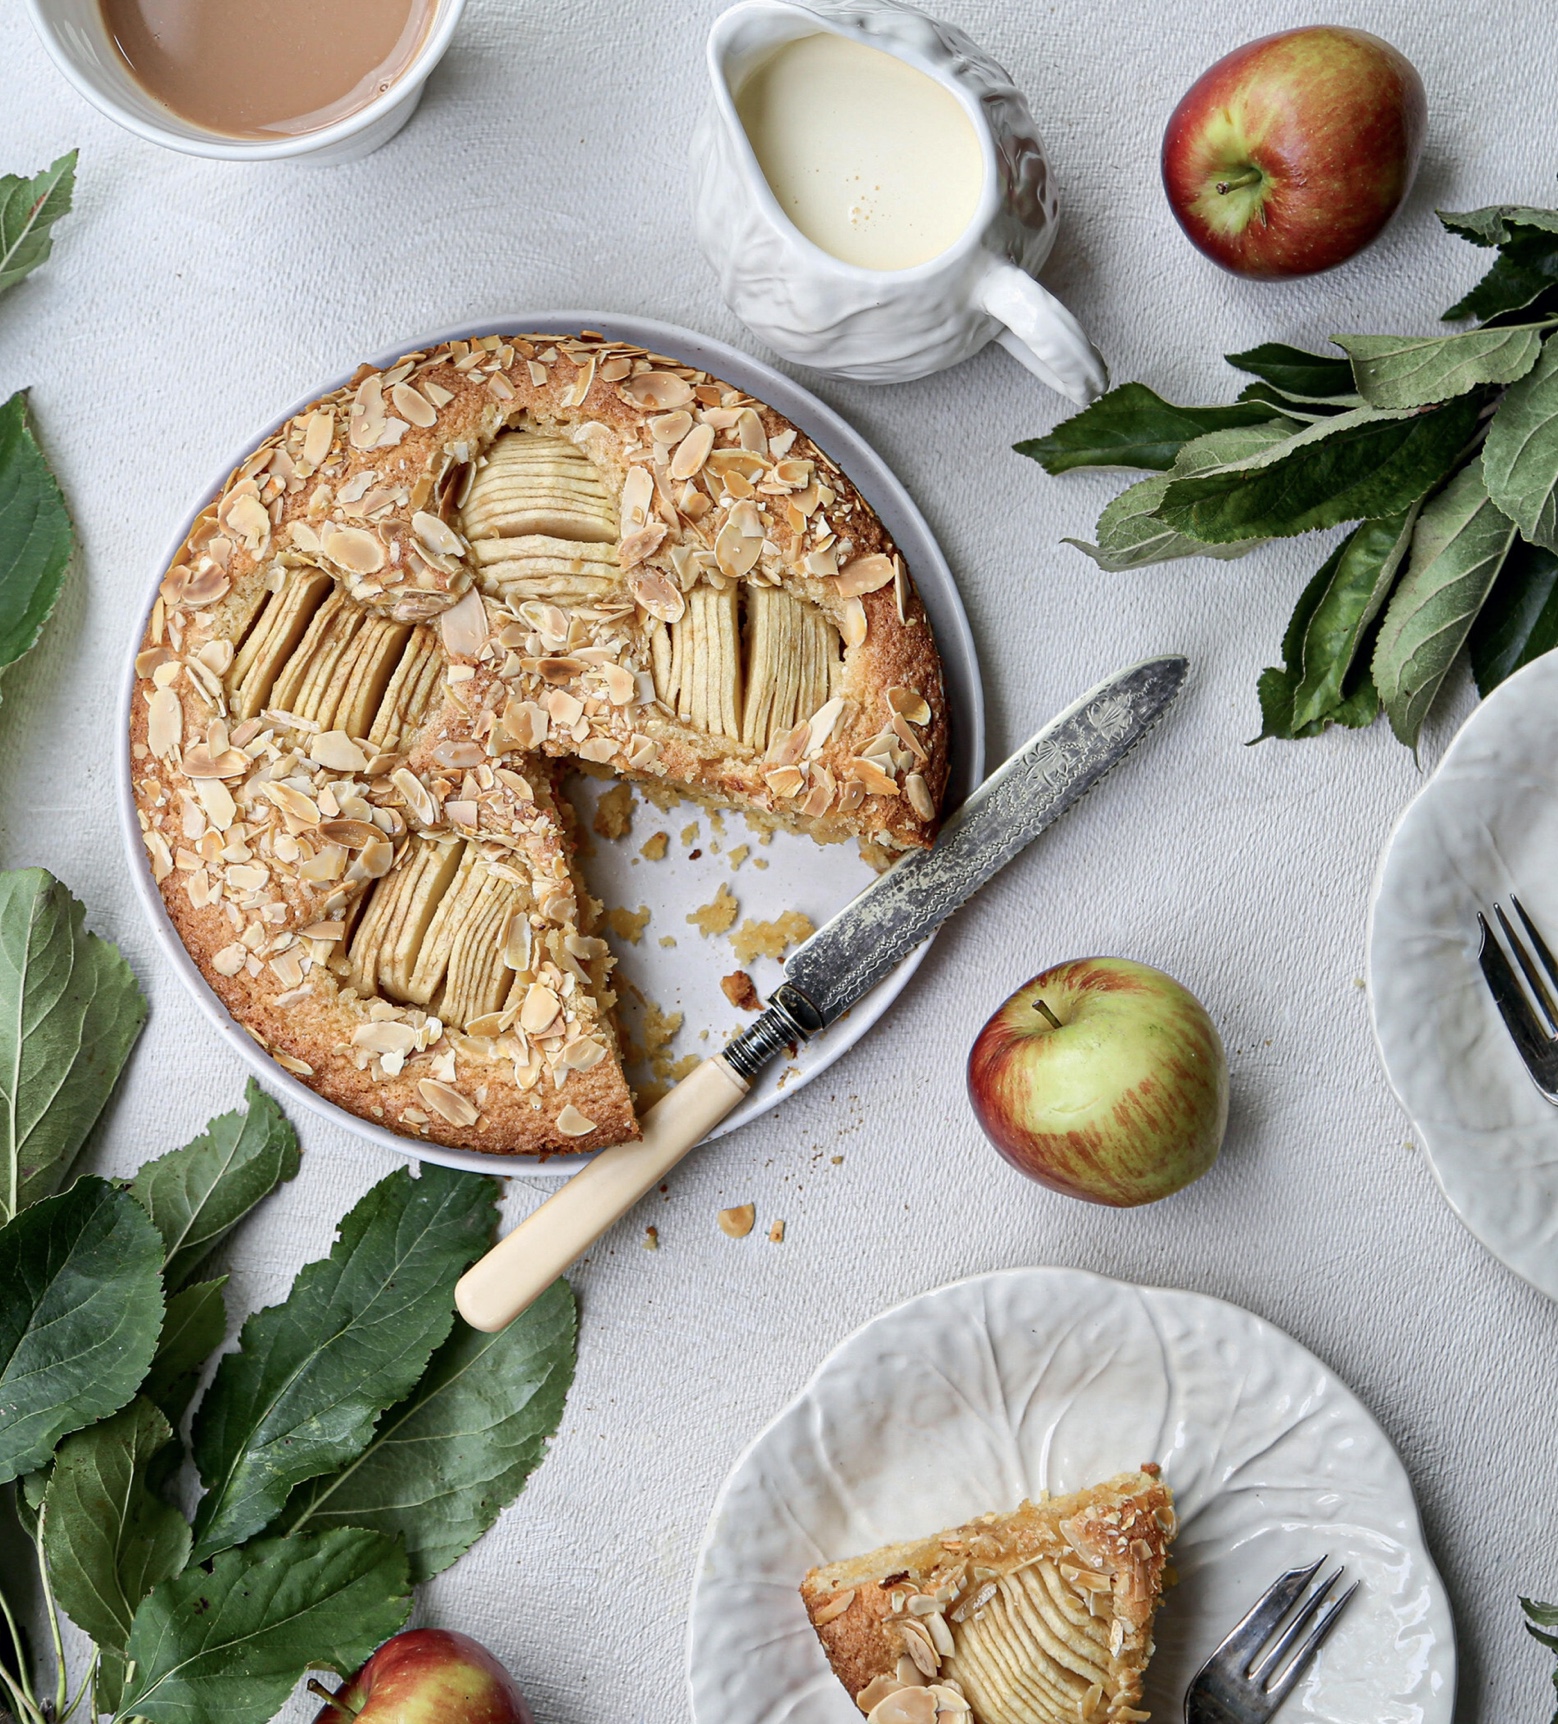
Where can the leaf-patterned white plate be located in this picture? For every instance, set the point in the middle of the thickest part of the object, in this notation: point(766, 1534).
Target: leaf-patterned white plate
point(1485, 825)
point(976, 1395)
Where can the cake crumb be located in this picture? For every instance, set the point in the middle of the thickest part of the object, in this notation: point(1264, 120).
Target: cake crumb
point(628, 924)
point(759, 861)
point(667, 940)
point(837, 1160)
point(684, 1067)
point(665, 797)
point(769, 939)
point(776, 1233)
point(655, 846)
point(738, 1221)
point(690, 833)
point(614, 812)
point(651, 1238)
point(659, 1028)
point(739, 989)
point(739, 855)
point(717, 822)
point(719, 915)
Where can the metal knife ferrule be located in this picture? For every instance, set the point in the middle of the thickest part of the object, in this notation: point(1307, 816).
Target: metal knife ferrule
point(788, 1017)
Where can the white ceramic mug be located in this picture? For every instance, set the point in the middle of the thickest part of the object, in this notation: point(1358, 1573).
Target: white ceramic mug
point(886, 326)
point(78, 42)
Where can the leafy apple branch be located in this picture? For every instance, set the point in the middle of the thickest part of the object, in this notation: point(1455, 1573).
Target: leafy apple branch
point(1440, 451)
point(358, 1440)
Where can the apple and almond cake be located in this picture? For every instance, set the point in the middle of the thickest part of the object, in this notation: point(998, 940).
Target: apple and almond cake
point(401, 618)
point(1042, 1616)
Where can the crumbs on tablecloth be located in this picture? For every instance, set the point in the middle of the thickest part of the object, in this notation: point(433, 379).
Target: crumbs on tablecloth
point(628, 924)
point(719, 915)
point(655, 846)
point(614, 812)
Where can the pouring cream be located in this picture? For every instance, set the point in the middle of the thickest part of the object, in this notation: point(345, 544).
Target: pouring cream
point(871, 159)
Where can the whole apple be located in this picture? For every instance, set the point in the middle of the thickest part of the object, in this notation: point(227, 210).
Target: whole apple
point(428, 1676)
point(1104, 1079)
point(1292, 153)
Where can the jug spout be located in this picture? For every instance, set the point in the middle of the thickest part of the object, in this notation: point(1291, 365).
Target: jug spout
point(1038, 330)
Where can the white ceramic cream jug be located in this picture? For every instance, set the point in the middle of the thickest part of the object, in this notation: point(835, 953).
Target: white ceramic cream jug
point(887, 326)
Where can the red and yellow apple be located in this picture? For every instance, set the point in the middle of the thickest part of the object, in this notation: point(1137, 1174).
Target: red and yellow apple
point(1104, 1079)
point(427, 1676)
point(1292, 153)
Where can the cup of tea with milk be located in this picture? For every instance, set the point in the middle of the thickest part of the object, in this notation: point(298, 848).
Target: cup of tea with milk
point(873, 193)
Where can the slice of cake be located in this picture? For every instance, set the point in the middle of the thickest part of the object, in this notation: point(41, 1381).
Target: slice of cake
point(1041, 1616)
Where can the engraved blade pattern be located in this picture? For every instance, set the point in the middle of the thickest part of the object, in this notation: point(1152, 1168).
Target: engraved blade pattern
point(849, 955)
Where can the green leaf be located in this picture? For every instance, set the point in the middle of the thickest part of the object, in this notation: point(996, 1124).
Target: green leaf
point(1357, 466)
point(1310, 376)
point(227, 1647)
point(312, 1375)
point(197, 1194)
point(1520, 456)
point(1299, 406)
point(28, 212)
point(1130, 534)
point(1518, 621)
point(80, 1308)
point(192, 1331)
point(35, 534)
point(1358, 577)
point(1278, 685)
point(1395, 371)
point(107, 1538)
point(1131, 427)
point(451, 1457)
point(1497, 224)
point(69, 1013)
point(1524, 273)
point(1546, 1614)
point(1458, 544)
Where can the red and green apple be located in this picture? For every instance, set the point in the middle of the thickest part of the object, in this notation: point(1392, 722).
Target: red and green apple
point(1104, 1079)
point(427, 1676)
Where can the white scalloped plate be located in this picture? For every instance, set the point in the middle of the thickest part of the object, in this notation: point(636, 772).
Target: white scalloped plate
point(1485, 825)
point(976, 1395)
point(799, 875)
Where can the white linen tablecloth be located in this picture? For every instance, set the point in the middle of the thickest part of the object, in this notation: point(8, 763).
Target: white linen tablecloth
point(188, 301)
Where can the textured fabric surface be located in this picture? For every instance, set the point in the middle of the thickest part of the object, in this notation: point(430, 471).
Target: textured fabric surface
point(189, 301)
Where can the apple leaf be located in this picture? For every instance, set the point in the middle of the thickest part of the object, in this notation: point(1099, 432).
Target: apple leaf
point(1395, 371)
point(192, 1330)
point(1518, 621)
point(28, 212)
point(80, 1310)
point(1498, 224)
point(35, 534)
point(304, 1391)
point(1305, 408)
point(227, 1647)
point(1131, 427)
point(1278, 685)
point(196, 1195)
point(1458, 545)
point(1520, 456)
point(1523, 277)
point(458, 1450)
point(1357, 466)
point(1359, 573)
point(1308, 376)
point(108, 1539)
point(69, 1014)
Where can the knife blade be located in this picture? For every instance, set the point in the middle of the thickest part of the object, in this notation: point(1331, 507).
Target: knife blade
point(877, 930)
point(839, 964)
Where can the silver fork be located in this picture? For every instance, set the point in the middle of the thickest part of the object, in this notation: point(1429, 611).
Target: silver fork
point(1529, 1013)
point(1243, 1682)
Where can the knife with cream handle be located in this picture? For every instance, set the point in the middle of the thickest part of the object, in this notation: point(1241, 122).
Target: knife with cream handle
point(837, 966)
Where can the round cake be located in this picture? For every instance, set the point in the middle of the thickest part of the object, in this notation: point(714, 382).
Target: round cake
point(400, 620)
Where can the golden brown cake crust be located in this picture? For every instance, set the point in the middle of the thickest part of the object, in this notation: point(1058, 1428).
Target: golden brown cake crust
point(1108, 1545)
point(370, 504)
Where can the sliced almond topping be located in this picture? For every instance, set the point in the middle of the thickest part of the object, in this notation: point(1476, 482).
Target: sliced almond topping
point(418, 798)
point(736, 551)
point(387, 1036)
point(352, 548)
point(165, 723)
point(833, 1609)
point(463, 627)
point(822, 724)
point(864, 575)
point(920, 799)
point(572, 1123)
point(459, 756)
point(657, 593)
point(540, 1010)
point(868, 773)
point(661, 390)
point(318, 435)
point(335, 750)
point(638, 495)
point(199, 762)
point(435, 535)
point(582, 1054)
point(230, 960)
point(412, 405)
point(692, 452)
point(447, 1103)
point(642, 542)
point(852, 623)
point(350, 834)
point(910, 703)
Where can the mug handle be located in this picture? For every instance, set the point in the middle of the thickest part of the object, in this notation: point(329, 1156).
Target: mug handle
point(1042, 333)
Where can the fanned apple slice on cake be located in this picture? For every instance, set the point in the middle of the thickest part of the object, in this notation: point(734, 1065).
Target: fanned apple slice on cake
point(1041, 1616)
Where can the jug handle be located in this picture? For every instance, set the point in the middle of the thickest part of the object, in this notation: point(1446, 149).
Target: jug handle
point(1042, 333)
